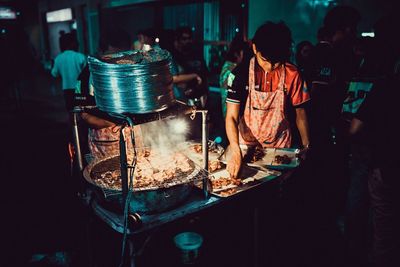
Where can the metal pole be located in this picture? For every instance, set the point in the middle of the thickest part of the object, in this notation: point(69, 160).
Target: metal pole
point(124, 159)
point(75, 132)
point(124, 165)
point(204, 141)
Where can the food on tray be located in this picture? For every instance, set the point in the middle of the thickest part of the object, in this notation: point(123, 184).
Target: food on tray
point(254, 154)
point(258, 154)
point(152, 169)
point(282, 159)
point(214, 165)
point(228, 192)
point(198, 148)
point(224, 182)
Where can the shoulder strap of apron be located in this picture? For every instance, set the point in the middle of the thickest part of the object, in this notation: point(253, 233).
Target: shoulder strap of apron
point(251, 79)
point(252, 74)
point(282, 78)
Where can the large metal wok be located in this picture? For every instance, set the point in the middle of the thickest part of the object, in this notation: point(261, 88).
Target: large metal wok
point(150, 199)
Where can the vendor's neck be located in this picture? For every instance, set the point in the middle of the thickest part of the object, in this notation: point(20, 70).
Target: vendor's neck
point(266, 65)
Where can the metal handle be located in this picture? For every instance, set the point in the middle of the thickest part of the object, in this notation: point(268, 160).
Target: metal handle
point(204, 130)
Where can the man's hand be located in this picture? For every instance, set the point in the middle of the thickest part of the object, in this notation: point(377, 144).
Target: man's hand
point(198, 79)
point(303, 152)
point(234, 162)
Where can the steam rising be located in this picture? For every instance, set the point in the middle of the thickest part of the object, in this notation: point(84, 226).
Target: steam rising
point(165, 136)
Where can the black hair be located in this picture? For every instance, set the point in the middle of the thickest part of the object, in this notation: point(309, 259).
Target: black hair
point(69, 41)
point(385, 28)
point(324, 34)
point(181, 31)
point(342, 17)
point(237, 45)
point(117, 38)
point(166, 39)
point(273, 41)
point(150, 32)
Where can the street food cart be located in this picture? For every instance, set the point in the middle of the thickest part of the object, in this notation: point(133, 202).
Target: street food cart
point(146, 187)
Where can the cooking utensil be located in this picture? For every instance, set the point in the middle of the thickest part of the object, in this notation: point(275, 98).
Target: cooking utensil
point(149, 199)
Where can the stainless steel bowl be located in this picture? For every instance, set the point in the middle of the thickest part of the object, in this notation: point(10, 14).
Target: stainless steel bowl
point(147, 200)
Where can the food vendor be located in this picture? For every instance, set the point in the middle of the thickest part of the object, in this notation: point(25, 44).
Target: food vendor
point(261, 94)
point(104, 135)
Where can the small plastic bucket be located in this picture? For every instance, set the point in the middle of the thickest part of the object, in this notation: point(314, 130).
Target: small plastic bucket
point(189, 243)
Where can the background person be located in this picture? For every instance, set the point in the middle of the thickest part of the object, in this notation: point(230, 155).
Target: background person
point(146, 39)
point(69, 64)
point(188, 61)
point(334, 65)
point(304, 58)
point(372, 128)
point(376, 111)
point(238, 49)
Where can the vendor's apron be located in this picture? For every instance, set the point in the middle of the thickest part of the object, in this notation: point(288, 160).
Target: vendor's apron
point(105, 142)
point(264, 121)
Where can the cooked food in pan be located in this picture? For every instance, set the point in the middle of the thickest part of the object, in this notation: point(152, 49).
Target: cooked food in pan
point(198, 148)
point(213, 164)
point(152, 169)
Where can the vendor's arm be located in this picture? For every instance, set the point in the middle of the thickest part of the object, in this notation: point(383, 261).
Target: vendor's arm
point(182, 78)
point(232, 131)
point(236, 83)
point(96, 122)
point(302, 126)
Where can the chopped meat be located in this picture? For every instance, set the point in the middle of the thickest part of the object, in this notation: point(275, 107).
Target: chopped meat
point(284, 159)
point(152, 169)
point(224, 182)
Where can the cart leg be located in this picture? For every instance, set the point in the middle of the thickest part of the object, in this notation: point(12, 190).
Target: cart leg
point(256, 236)
point(131, 252)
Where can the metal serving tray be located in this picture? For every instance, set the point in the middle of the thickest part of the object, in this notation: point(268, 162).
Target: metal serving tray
point(268, 160)
point(250, 177)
